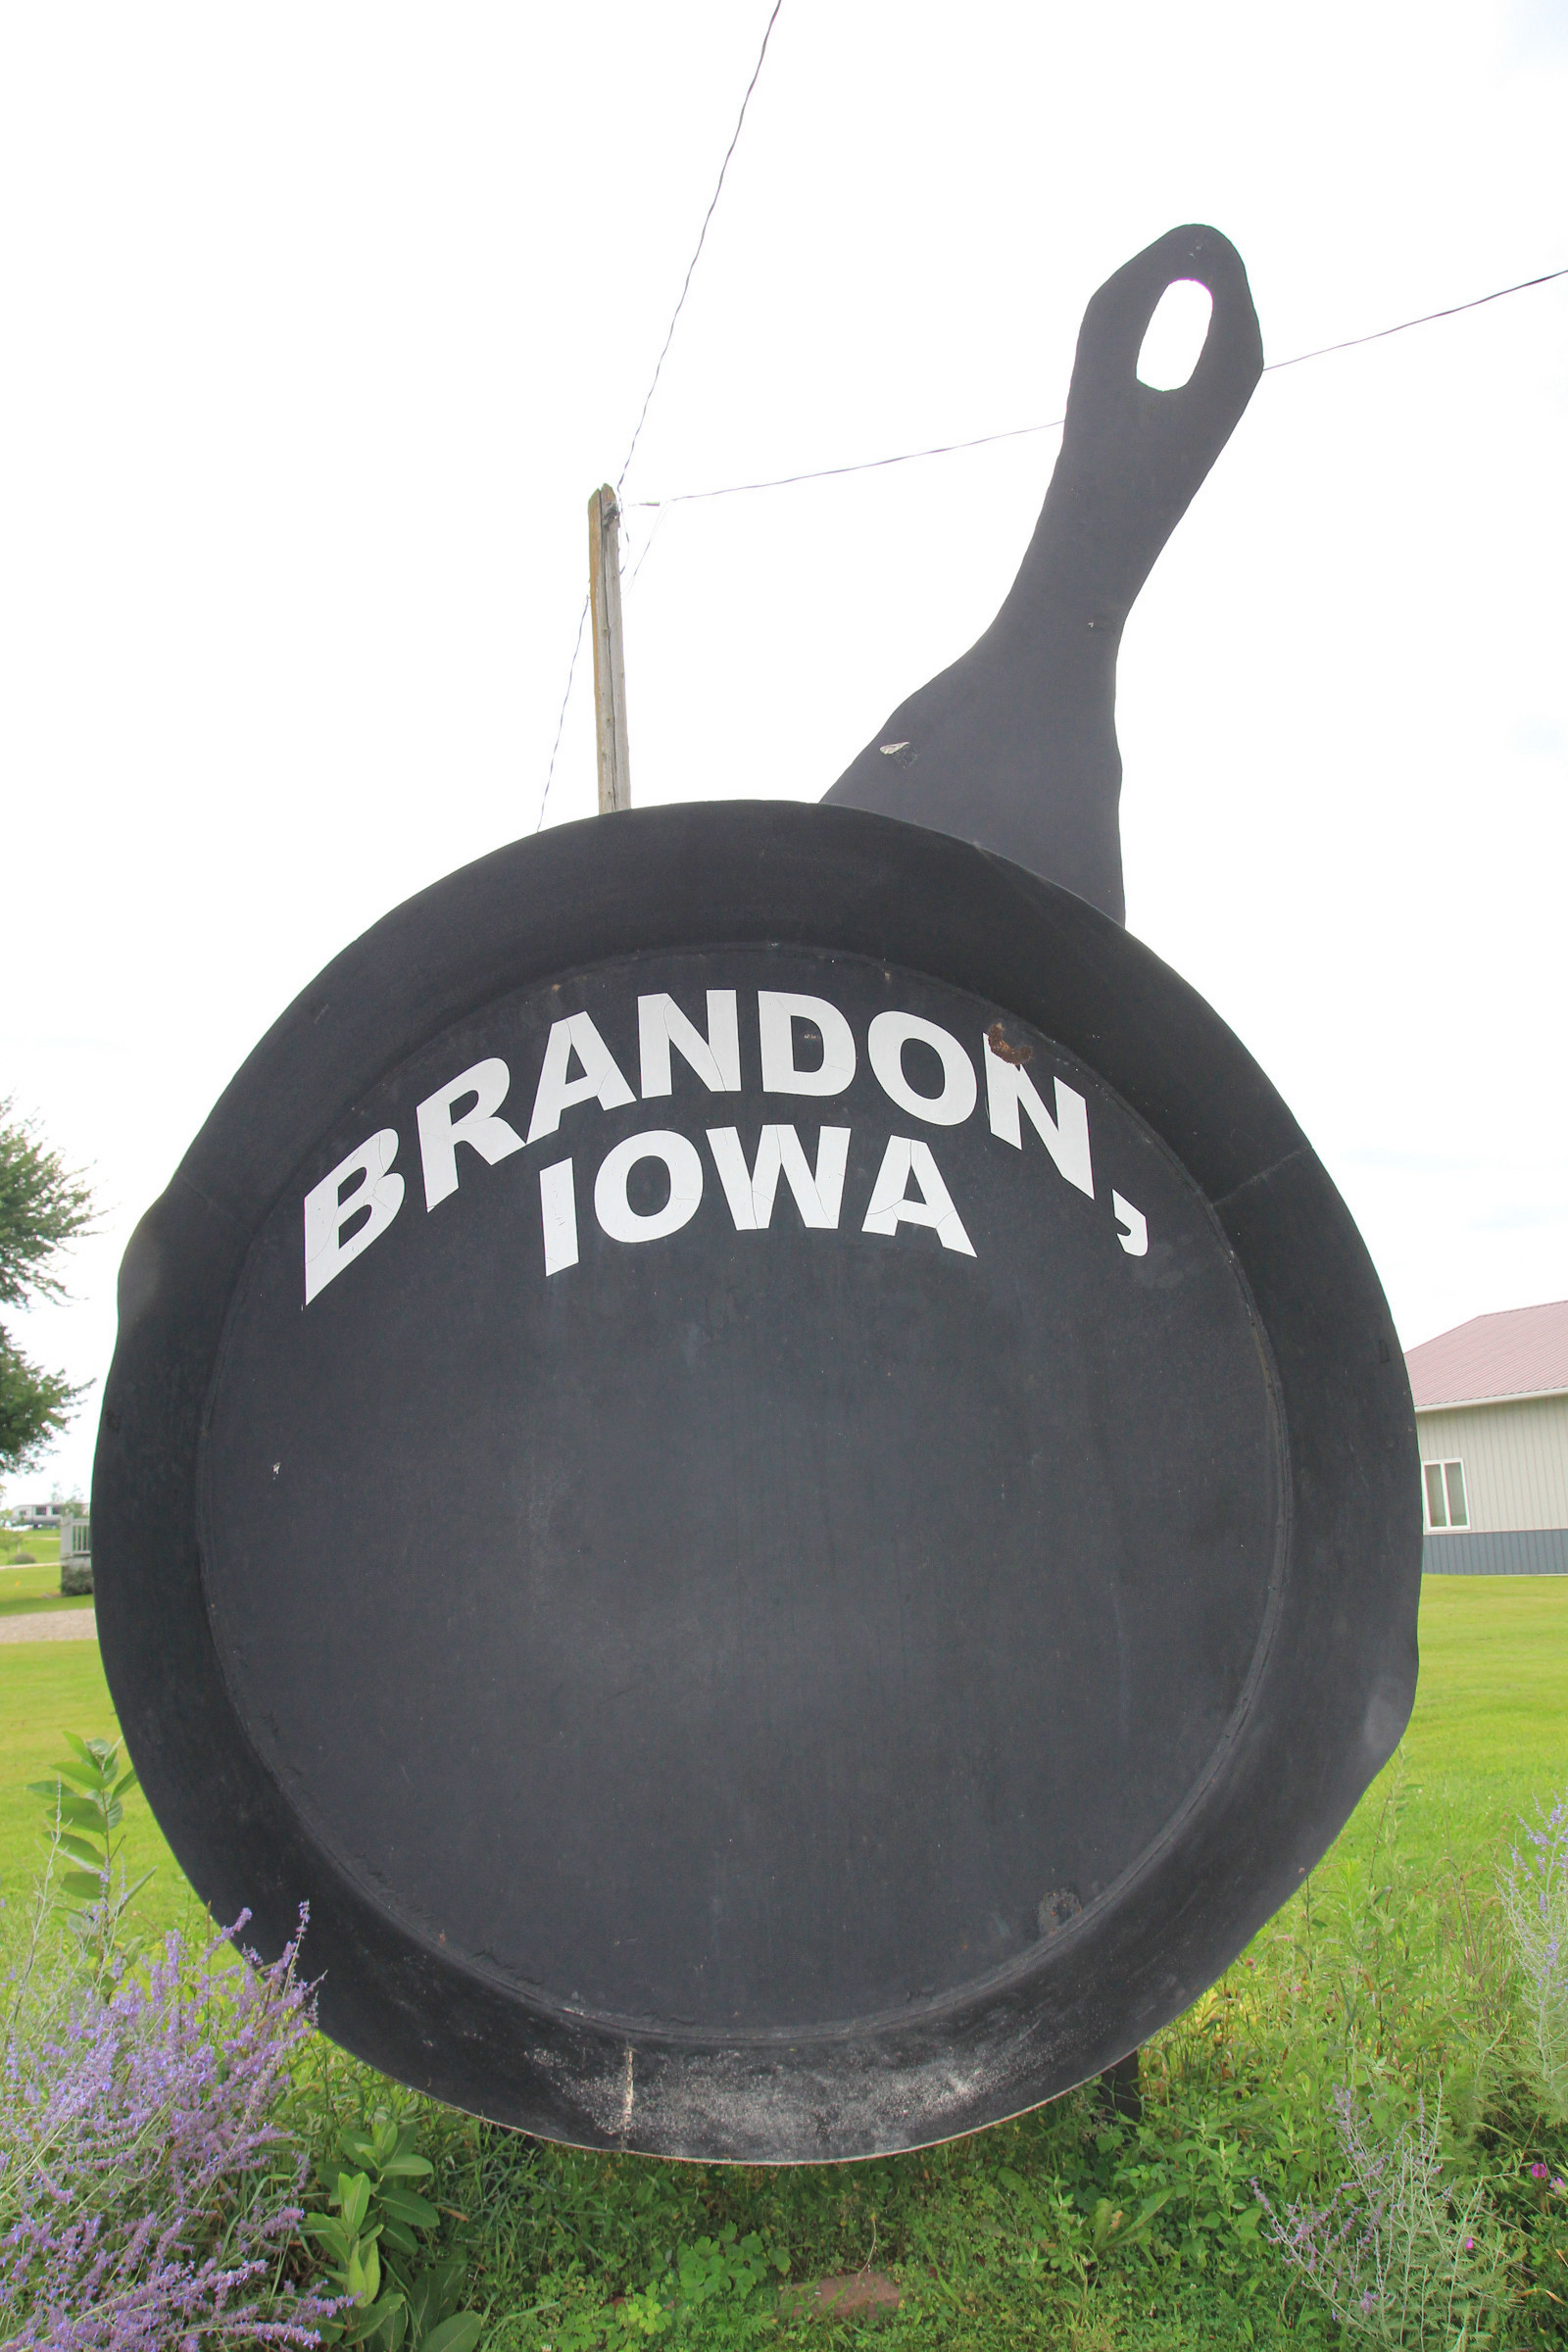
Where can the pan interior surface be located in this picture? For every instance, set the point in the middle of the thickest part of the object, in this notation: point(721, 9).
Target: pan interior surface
point(741, 1557)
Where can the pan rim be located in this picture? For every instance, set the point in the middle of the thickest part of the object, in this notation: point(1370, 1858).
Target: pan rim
point(839, 880)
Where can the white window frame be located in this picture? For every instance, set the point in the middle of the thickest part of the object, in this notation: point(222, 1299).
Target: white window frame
point(1448, 1525)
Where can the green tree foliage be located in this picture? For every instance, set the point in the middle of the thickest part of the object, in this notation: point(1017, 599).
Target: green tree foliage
point(43, 1205)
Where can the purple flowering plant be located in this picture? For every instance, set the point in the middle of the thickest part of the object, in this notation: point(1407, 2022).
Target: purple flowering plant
point(1534, 1900)
point(1544, 2189)
point(148, 2195)
point(1401, 2255)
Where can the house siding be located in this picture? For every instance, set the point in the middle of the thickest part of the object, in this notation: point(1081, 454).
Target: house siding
point(1527, 1551)
point(1515, 1456)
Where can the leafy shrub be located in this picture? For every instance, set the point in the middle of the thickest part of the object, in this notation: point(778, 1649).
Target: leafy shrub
point(372, 2235)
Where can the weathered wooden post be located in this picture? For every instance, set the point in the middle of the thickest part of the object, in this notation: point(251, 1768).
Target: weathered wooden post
point(610, 653)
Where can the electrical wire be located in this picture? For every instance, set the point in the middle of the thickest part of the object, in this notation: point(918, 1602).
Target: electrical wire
point(828, 474)
point(702, 238)
point(1017, 433)
point(571, 671)
point(1354, 342)
point(648, 547)
point(942, 449)
point(642, 419)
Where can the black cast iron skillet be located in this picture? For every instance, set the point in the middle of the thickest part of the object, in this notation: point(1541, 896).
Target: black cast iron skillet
point(775, 1677)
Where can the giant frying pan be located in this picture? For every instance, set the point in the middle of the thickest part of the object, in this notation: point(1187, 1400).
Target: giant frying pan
point(752, 1449)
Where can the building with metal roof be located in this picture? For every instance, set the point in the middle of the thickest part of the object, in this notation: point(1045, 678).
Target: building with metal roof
point(1492, 1411)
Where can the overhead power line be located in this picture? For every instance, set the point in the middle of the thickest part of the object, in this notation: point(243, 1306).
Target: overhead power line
point(702, 238)
point(652, 388)
point(1427, 319)
point(941, 449)
point(561, 720)
point(1018, 432)
point(827, 474)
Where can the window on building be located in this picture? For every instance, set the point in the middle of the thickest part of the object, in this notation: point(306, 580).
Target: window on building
point(1446, 1498)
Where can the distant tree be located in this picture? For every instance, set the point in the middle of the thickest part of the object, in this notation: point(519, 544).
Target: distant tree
point(43, 1205)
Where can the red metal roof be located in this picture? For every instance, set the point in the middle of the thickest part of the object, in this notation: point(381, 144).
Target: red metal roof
point(1517, 1353)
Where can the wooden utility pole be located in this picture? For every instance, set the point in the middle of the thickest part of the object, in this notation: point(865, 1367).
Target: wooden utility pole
point(610, 658)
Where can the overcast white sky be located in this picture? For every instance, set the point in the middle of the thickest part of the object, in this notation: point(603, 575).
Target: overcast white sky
point(321, 323)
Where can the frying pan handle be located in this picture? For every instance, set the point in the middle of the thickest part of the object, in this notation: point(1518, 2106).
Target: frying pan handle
point(1132, 457)
point(1013, 746)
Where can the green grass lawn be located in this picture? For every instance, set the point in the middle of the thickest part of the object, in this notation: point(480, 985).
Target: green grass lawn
point(1488, 1735)
point(970, 2227)
point(1490, 1730)
point(32, 1582)
point(36, 1585)
point(24, 1591)
point(47, 1687)
point(44, 1549)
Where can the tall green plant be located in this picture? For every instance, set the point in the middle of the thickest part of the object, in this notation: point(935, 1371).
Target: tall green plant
point(85, 1808)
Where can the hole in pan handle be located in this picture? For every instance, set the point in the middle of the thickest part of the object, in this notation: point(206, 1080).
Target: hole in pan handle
point(1132, 457)
point(1014, 746)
